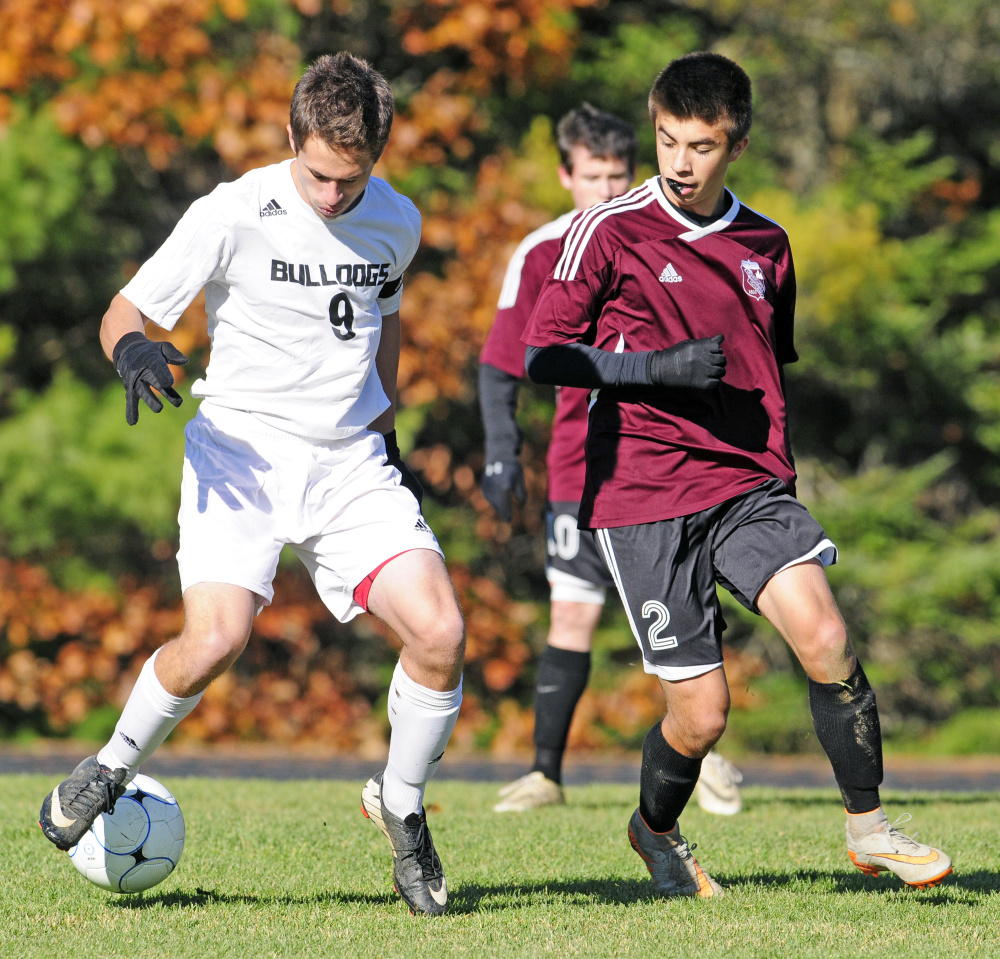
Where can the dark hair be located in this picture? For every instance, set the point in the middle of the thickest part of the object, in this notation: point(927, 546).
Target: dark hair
point(601, 133)
point(345, 102)
point(705, 86)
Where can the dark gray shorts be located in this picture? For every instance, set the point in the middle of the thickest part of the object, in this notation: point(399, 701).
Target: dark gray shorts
point(666, 572)
point(574, 565)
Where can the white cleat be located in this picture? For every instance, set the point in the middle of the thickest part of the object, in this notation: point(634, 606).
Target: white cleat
point(530, 792)
point(717, 789)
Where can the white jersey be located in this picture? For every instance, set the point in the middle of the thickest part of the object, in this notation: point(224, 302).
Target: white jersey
point(294, 302)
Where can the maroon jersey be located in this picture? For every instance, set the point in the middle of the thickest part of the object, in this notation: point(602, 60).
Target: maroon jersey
point(634, 274)
point(531, 263)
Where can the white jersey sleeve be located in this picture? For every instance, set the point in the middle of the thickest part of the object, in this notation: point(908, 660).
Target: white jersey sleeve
point(195, 252)
point(294, 302)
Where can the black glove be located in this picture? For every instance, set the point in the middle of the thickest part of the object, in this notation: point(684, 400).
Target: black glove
point(695, 364)
point(408, 477)
point(142, 364)
point(501, 480)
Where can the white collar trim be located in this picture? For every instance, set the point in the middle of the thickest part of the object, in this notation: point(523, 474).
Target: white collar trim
point(698, 232)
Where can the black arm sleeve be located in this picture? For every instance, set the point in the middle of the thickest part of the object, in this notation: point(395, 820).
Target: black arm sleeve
point(497, 405)
point(573, 364)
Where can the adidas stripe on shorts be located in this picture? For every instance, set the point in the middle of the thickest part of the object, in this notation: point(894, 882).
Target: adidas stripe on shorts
point(249, 489)
point(666, 572)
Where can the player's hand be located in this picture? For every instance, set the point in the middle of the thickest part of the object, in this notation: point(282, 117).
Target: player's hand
point(407, 477)
point(695, 364)
point(142, 365)
point(501, 481)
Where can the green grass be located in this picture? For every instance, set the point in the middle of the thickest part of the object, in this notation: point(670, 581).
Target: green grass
point(292, 869)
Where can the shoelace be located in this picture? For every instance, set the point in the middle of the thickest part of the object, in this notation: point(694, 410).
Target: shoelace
point(102, 783)
point(897, 838)
point(424, 852)
point(684, 850)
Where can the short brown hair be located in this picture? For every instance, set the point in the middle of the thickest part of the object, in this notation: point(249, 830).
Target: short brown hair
point(603, 134)
point(345, 102)
point(705, 86)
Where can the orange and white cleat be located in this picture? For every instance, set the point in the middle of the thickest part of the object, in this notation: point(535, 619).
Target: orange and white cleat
point(889, 850)
point(668, 858)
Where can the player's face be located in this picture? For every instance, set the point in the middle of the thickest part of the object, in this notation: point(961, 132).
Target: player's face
point(693, 157)
point(594, 179)
point(331, 181)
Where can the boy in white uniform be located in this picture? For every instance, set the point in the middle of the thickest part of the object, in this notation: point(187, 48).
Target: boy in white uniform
point(302, 265)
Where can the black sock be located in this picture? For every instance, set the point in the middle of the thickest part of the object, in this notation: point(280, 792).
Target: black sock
point(562, 678)
point(666, 781)
point(845, 717)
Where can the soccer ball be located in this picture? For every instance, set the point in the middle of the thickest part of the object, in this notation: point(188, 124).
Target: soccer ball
point(137, 845)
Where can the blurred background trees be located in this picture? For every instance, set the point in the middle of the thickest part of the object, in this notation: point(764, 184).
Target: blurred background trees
point(874, 144)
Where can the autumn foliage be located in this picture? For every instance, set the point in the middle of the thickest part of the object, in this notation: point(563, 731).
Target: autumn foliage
point(869, 149)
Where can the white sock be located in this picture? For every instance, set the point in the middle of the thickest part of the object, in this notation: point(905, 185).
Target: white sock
point(422, 720)
point(864, 824)
point(150, 715)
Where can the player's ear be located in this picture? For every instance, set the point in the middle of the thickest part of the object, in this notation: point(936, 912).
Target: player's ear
point(291, 139)
point(565, 177)
point(738, 148)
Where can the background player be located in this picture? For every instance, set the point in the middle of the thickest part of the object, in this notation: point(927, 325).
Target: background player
point(597, 153)
point(689, 468)
point(302, 264)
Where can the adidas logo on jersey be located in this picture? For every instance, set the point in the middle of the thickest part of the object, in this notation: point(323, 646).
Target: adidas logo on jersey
point(421, 526)
point(273, 208)
point(670, 275)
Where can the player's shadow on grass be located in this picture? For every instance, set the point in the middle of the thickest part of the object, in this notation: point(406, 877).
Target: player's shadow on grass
point(473, 898)
point(849, 882)
point(209, 897)
point(893, 798)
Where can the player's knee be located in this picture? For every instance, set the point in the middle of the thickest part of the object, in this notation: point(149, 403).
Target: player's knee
point(438, 635)
point(712, 727)
point(826, 645)
point(696, 735)
point(216, 647)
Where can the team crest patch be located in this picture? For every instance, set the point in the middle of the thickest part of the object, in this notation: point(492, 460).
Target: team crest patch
point(753, 279)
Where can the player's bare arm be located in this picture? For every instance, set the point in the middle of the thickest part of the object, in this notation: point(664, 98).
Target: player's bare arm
point(387, 366)
point(142, 363)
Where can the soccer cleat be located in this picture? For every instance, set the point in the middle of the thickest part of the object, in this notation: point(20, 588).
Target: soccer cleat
point(889, 849)
point(717, 789)
point(416, 868)
point(530, 792)
point(668, 858)
point(71, 808)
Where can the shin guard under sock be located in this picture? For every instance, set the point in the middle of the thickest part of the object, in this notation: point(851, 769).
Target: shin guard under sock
point(422, 720)
point(149, 716)
point(562, 678)
point(845, 717)
point(666, 781)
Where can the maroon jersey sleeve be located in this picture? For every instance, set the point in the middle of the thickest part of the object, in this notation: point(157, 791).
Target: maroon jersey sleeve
point(526, 272)
point(784, 309)
point(585, 279)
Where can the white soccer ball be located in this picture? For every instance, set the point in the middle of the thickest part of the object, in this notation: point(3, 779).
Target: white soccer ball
point(136, 846)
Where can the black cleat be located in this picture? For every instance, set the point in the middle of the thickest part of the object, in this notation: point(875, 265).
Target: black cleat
point(71, 808)
point(416, 868)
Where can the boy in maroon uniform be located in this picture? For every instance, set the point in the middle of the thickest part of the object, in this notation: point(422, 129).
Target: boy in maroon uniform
point(677, 302)
point(597, 153)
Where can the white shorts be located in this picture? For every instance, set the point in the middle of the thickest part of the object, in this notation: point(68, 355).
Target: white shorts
point(248, 489)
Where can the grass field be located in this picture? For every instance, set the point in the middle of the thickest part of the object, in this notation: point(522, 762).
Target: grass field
point(293, 869)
